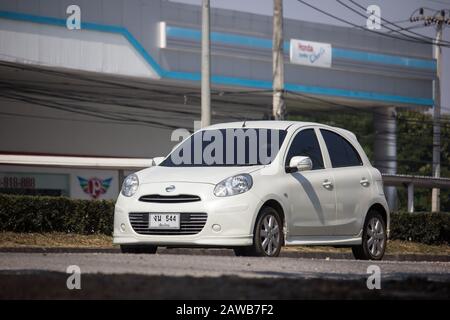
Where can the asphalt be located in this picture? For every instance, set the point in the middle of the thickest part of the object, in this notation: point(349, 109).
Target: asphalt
point(228, 252)
point(214, 266)
point(199, 276)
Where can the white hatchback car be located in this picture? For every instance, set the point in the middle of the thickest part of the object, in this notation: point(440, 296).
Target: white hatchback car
point(255, 186)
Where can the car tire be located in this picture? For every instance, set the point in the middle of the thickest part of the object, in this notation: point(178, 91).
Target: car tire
point(267, 235)
point(138, 249)
point(374, 238)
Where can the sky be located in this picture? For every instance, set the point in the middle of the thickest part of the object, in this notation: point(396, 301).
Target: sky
point(391, 10)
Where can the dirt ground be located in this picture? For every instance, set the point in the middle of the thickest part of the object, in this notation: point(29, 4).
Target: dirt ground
point(63, 240)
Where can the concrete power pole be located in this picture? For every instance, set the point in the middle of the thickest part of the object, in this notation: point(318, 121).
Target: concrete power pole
point(206, 66)
point(435, 194)
point(437, 19)
point(279, 107)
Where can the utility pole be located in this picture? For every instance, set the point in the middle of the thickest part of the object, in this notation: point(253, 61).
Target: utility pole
point(437, 19)
point(435, 193)
point(279, 107)
point(206, 66)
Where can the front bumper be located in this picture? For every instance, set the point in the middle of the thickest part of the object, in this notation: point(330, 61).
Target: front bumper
point(235, 215)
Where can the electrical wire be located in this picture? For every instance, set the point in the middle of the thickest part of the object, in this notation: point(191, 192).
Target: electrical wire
point(365, 110)
point(381, 34)
point(410, 28)
point(422, 37)
point(426, 38)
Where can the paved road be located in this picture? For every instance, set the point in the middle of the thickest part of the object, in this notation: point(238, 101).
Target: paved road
point(215, 266)
point(212, 276)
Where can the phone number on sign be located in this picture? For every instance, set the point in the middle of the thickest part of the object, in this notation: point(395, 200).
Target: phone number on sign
point(17, 182)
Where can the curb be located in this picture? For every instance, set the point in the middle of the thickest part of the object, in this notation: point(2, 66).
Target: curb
point(225, 252)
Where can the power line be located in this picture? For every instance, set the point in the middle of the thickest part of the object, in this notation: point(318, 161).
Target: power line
point(93, 97)
point(409, 28)
point(87, 97)
point(440, 2)
point(368, 30)
point(393, 24)
point(382, 19)
point(373, 112)
point(162, 92)
point(21, 115)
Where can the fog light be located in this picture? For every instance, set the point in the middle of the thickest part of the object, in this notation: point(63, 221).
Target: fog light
point(216, 227)
point(122, 227)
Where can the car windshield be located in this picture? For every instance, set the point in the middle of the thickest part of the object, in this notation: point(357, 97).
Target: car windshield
point(227, 147)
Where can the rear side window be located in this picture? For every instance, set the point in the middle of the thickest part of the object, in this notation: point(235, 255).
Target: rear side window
point(341, 152)
point(306, 144)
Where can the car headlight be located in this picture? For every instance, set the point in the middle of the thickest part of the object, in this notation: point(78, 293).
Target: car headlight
point(130, 185)
point(233, 185)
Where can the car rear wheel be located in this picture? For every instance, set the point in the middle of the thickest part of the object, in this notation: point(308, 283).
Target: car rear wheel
point(138, 249)
point(374, 238)
point(267, 236)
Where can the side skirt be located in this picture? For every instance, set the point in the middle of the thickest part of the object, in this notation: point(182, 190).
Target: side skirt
point(323, 240)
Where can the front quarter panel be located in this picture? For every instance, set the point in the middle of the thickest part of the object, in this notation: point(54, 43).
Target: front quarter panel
point(268, 187)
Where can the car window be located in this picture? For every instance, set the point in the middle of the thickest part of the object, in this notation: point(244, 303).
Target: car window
point(306, 144)
point(342, 153)
point(227, 147)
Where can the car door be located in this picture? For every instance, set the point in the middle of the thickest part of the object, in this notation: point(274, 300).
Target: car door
point(351, 181)
point(310, 193)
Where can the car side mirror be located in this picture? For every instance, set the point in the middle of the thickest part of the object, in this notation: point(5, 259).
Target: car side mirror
point(300, 163)
point(157, 160)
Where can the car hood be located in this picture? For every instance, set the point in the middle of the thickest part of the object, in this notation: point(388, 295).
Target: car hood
point(211, 175)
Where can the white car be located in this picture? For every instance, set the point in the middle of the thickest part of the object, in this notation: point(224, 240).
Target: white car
point(221, 187)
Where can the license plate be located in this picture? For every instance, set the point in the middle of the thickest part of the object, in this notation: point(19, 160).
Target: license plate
point(164, 221)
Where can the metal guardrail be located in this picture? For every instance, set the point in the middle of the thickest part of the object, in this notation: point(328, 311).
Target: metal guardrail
point(419, 181)
point(412, 181)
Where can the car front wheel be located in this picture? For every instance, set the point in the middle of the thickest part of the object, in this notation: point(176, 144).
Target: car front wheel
point(374, 238)
point(268, 235)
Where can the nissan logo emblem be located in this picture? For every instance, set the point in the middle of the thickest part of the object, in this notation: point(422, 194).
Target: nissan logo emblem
point(170, 188)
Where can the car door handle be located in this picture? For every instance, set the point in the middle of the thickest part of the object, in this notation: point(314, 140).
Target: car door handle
point(327, 184)
point(364, 182)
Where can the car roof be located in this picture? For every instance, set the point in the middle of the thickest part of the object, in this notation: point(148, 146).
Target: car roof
point(280, 125)
point(266, 124)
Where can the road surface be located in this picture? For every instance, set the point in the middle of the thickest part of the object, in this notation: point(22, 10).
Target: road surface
point(211, 276)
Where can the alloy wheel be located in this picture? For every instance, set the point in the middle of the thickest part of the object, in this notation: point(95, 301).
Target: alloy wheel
point(270, 234)
point(375, 237)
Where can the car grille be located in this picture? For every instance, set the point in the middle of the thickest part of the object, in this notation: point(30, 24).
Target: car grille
point(169, 199)
point(190, 223)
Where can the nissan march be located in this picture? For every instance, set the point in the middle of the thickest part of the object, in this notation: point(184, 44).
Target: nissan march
point(255, 186)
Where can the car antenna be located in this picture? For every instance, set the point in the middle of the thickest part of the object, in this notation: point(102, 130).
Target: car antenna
point(243, 124)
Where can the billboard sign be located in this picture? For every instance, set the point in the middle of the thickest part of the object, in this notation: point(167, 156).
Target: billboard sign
point(314, 54)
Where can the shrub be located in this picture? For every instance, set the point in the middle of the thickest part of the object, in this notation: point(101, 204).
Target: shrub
point(425, 227)
point(60, 214)
point(55, 214)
